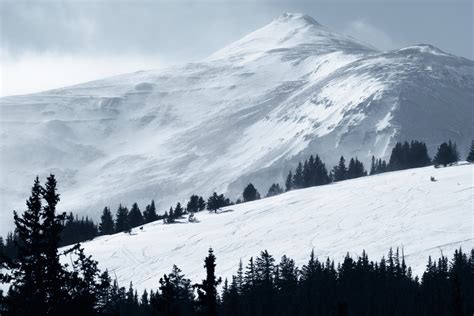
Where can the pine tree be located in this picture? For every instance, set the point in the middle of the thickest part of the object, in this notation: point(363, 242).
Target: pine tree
point(298, 177)
point(122, 223)
point(447, 153)
point(201, 204)
point(373, 166)
point(470, 156)
point(106, 226)
point(289, 182)
point(135, 217)
point(27, 295)
point(178, 210)
point(52, 226)
point(149, 215)
point(274, 189)
point(340, 171)
point(207, 290)
point(215, 202)
point(250, 193)
point(192, 205)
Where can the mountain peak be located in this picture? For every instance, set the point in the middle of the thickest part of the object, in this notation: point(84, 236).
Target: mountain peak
point(288, 16)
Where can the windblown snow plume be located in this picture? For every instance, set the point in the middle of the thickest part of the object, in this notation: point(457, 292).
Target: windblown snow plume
point(246, 113)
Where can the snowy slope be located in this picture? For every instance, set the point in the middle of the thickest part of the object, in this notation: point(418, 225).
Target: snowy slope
point(246, 113)
point(397, 209)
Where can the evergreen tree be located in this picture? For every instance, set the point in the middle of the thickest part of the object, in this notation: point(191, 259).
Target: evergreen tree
point(373, 166)
point(356, 169)
point(289, 182)
point(193, 204)
point(201, 204)
point(274, 189)
point(135, 217)
point(207, 290)
point(298, 177)
point(52, 226)
point(250, 193)
point(176, 295)
point(447, 153)
point(215, 202)
point(470, 156)
point(122, 223)
point(106, 226)
point(27, 295)
point(178, 210)
point(340, 171)
point(149, 215)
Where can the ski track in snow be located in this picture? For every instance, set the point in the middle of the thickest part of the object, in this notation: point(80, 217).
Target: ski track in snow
point(397, 209)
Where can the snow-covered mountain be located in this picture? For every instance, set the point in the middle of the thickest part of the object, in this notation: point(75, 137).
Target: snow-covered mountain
point(246, 113)
point(398, 209)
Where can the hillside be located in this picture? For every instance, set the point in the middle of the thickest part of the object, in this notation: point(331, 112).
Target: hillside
point(248, 112)
point(398, 209)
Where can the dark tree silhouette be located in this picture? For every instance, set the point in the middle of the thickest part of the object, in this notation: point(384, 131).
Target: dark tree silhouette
point(470, 156)
point(250, 193)
point(207, 290)
point(106, 226)
point(447, 153)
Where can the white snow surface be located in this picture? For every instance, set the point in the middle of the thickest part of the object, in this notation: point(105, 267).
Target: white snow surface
point(247, 113)
point(402, 209)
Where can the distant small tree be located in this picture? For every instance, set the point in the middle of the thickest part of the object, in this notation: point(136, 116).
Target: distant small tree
point(274, 189)
point(289, 181)
point(149, 215)
point(250, 193)
point(121, 219)
point(135, 216)
point(106, 226)
point(201, 204)
point(356, 169)
point(339, 172)
point(193, 204)
point(215, 202)
point(447, 153)
point(178, 210)
point(470, 156)
point(298, 177)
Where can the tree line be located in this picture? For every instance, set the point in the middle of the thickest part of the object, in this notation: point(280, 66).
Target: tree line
point(39, 284)
point(311, 172)
point(414, 154)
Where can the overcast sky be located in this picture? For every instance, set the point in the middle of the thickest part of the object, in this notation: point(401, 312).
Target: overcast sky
point(49, 44)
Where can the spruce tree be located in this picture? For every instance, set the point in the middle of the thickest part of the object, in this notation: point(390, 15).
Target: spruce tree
point(340, 171)
point(135, 217)
point(289, 182)
point(201, 204)
point(106, 226)
point(178, 210)
point(193, 204)
point(122, 223)
point(298, 177)
point(27, 295)
point(470, 156)
point(447, 153)
point(149, 215)
point(274, 189)
point(215, 202)
point(207, 290)
point(250, 193)
point(52, 226)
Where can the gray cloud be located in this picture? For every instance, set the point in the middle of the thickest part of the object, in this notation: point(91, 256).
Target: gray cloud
point(186, 30)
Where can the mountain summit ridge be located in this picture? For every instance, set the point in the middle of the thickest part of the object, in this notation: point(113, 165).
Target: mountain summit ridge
point(248, 113)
